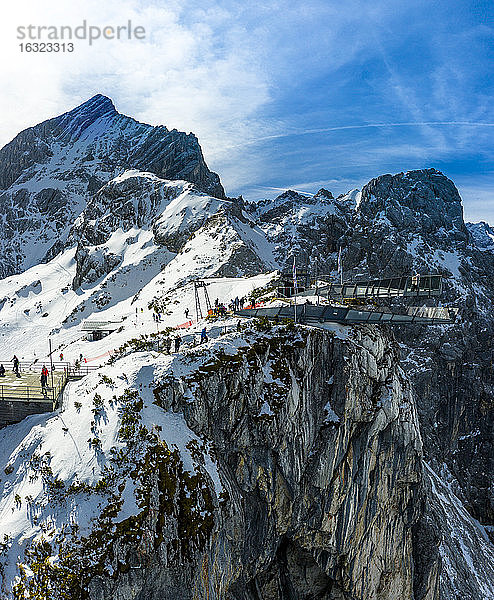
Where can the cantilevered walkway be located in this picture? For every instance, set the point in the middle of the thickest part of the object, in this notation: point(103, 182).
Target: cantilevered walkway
point(317, 315)
point(21, 396)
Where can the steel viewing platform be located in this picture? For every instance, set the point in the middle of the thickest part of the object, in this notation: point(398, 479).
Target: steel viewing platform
point(23, 396)
point(414, 286)
point(308, 314)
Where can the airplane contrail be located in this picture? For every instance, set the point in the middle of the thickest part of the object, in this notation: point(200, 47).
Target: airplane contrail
point(374, 125)
point(285, 134)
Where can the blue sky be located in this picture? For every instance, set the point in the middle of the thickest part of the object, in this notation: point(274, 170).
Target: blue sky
point(294, 95)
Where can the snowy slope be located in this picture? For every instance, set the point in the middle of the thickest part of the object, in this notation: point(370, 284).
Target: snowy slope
point(41, 302)
point(52, 462)
point(49, 172)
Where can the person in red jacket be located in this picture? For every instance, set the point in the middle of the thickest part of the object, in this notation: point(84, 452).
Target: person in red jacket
point(44, 378)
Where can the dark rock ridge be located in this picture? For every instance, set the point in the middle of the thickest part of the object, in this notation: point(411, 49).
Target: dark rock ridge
point(169, 154)
point(49, 172)
point(421, 201)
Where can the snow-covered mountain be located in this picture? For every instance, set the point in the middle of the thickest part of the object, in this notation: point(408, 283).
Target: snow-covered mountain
point(269, 462)
point(49, 172)
point(483, 235)
point(139, 238)
point(305, 227)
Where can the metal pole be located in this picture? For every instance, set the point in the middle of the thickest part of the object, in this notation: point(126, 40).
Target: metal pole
point(295, 290)
point(51, 363)
point(198, 305)
point(317, 283)
point(206, 296)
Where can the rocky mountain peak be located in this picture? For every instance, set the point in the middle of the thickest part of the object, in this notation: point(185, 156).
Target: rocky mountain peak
point(97, 104)
point(50, 172)
point(79, 118)
point(324, 193)
point(424, 201)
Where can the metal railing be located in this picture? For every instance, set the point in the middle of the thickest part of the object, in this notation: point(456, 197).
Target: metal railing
point(411, 286)
point(28, 393)
point(63, 372)
point(33, 366)
point(77, 371)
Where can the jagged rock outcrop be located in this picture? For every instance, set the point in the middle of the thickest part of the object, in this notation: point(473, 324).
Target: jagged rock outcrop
point(483, 235)
point(318, 449)
point(305, 227)
point(181, 221)
point(93, 264)
point(424, 201)
point(49, 172)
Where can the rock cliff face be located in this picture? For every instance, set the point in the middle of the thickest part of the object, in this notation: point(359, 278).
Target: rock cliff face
point(317, 444)
point(49, 172)
point(320, 484)
point(421, 229)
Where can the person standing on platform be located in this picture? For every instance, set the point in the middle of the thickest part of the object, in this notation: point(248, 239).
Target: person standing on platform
point(44, 379)
point(15, 362)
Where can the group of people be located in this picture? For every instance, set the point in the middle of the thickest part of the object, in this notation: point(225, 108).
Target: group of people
point(174, 342)
point(236, 303)
point(15, 367)
point(16, 370)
